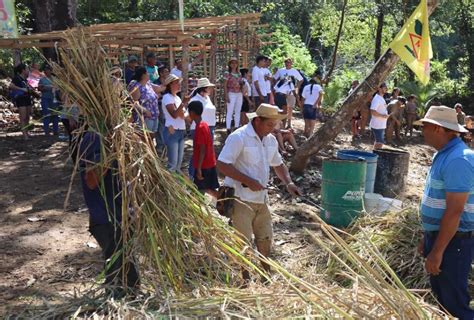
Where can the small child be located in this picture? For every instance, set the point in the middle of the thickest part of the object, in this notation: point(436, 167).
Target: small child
point(204, 158)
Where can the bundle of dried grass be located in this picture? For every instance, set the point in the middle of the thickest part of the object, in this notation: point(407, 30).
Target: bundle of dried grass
point(165, 223)
point(395, 237)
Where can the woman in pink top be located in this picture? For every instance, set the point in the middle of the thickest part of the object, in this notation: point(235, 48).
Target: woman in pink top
point(233, 93)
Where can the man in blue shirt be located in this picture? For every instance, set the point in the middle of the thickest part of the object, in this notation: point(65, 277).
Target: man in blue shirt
point(447, 211)
point(102, 194)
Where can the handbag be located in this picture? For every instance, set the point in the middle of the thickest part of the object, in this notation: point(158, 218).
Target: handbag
point(225, 201)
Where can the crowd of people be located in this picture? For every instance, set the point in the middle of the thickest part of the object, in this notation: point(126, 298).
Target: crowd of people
point(259, 112)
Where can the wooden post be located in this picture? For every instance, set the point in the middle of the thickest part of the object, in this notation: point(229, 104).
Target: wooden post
point(204, 61)
point(185, 62)
point(16, 57)
point(171, 52)
point(213, 59)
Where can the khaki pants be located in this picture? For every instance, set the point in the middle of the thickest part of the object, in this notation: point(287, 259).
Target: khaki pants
point(252, 219)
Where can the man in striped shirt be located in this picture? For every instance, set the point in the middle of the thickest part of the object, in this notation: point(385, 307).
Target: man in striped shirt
point(448, 212)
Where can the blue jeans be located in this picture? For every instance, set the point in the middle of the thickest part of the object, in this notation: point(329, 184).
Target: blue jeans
point(175, 146)
point(379, 135)
point(191, 134)
point(451, 285)
point(159, 136)
point(50, 114)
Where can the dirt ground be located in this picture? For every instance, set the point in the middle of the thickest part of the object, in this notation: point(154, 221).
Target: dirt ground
point(46, 251)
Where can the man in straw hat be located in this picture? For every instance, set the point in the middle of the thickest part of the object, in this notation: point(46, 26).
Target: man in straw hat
point(245, 160)
point(448, 212)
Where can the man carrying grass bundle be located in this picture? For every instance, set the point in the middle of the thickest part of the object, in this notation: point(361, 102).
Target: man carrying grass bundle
point(245, 160)
point(448, 212)
point(102, 194)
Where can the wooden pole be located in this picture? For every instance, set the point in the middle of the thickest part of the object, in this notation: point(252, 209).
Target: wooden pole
point(185, 62)
point(330, 130)
point(213, 58)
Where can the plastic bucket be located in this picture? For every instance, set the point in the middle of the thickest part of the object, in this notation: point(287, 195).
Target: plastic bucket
point(342, 191)
point(370, 158)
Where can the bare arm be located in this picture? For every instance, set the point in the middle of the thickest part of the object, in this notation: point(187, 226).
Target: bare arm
point(225, 91)
point(15, 87)
point(449, 225)
point(378, 115)
point(282, 173)
point(176, 112)
point(257, 87)
point(158, 89)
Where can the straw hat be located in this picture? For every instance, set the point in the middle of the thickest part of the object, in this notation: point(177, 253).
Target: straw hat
point(233, 59)
point(266, 110)
point(444, 117)
point(171, 78)
point(204, 83)
point(116, 69)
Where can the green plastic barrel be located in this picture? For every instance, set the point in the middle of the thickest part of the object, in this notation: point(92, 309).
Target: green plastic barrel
point(342, 191)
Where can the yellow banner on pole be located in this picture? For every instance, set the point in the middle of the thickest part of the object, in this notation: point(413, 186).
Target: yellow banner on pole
point(413, 44)
point(8, 24)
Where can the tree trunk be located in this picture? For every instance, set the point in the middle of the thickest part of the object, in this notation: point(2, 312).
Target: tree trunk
point(360, 95)
point(42, 12)
point(467, 35)
point(378, 35)
point(133, 8)
point(64, 14)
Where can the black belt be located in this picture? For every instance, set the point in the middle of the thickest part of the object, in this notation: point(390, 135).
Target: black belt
point(458, 234)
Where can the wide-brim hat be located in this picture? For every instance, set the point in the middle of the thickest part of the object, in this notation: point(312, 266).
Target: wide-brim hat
point(115, 69)
point(233, 59)
point(204, 83)
point(171, 78)
point(268, 111)
point(444, 117)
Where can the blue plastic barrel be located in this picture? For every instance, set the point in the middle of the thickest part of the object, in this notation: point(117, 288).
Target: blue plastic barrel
point(371, 160)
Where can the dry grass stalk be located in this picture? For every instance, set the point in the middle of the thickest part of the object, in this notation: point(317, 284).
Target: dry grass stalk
point(186, 254)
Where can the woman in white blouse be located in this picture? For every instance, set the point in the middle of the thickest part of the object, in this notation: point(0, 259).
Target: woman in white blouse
point(175, 112)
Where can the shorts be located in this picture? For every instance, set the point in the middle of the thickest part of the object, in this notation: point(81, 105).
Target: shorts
point(310, 113)
point(210, 180)
point(245, 106)
point(379, 135)
point(152, 124)
point(280, 99)
point(256, 100)
point(252, 219)
point(290, 101)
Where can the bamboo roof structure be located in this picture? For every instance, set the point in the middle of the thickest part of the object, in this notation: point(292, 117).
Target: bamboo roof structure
point(133, 35)
point(214, 39)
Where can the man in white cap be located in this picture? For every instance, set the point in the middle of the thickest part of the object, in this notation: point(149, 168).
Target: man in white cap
point(245, 160)
point(447, 211)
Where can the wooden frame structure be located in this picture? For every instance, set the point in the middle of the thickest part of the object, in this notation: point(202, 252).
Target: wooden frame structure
point(215, 38)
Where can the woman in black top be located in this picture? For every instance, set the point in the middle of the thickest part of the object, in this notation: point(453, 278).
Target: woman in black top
point(21, 95)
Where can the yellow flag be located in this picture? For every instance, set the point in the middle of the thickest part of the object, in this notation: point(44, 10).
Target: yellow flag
point(413, 44)
point(8, 25)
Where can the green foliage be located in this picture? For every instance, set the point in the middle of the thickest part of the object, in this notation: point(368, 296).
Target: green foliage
point(425, 94)
point(284, 44)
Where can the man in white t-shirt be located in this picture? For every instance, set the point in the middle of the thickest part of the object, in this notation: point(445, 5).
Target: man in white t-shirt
point(259, 87)
point(378, 122)
point(268, 80)
point(287, 83)
point(178, 66)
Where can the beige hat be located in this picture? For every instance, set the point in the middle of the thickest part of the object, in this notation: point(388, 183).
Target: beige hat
point(266, 110)
point(234, 59)
point(444, 117)
point(115, 69)
point(171, 78)
point(204, 83)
